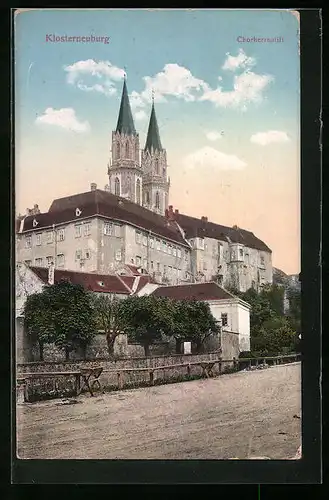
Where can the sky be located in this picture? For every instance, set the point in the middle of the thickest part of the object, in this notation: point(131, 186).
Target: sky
point(226, 89)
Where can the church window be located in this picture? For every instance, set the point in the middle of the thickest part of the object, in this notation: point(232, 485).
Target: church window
point(157, 200)
point(138, 191)
point(117, 186)
point(157, 165)
point(147, 197)
point(127, 150)
point(118, 150)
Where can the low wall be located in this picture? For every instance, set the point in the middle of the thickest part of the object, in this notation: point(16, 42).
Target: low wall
point(230, 346)
point(60, 386)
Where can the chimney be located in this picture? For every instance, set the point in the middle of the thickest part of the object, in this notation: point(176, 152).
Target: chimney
point(51, 274)
point(204, 219)
point(171, 215)
point(176, 211)
point(93, 186)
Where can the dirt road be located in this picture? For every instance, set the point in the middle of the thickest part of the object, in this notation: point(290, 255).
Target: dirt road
point(240, 415)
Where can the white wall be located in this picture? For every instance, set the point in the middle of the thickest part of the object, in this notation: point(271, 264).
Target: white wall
point(238, 317)
point(27, 283)
point(244, 327)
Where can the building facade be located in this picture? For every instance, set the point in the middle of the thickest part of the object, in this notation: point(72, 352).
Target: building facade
point(130, 222)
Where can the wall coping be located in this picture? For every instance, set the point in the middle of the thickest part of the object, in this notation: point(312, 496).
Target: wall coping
point(112, 360)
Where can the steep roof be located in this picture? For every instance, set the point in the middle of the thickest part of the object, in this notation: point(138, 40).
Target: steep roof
point(93, 282)
point(153, 136)
point(125, 123)
point(103, 203)
point(202, 228)
point(194, 291)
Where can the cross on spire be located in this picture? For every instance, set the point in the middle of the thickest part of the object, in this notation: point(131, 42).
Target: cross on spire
point(152, 95)
point(125, 73)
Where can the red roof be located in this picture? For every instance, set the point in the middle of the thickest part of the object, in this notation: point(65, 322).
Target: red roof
point(95, 282)
point(201, 228)
point(101, 203)
point(194, 291)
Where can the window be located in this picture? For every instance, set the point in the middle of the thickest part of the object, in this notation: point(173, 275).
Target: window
point(38, 262)
point(157, 166)
point(164, 247)
point(86, 229)
point(151, 242)
point(50, 260)
point(169, 249)
point(87, 254)
point(145, 241)
point(118, 150)
point(145, 263)
point(27, 262)
point(38, 239)
point(127, 150)
point(152, 265)
point(117, 186)
point(108, 228)
point(138, 260)
point(158, 244)
point(117, 230)
point(28, 242)
point(138, 192)
point(262, 260)
point(118, 255)
point(186, 255)
point(60, 260)
point(158, 267)
point(157, 200)
point(78, 231)
point(50, 236)
point(61, 235)
point(179, 253)
point(138, 237)
point(147, 198)
point(241, 252)
point(224, 319)
point(174, 251)
point(78, 254)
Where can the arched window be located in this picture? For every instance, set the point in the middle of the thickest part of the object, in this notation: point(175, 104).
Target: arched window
point(147, 196)
point(118, 150)
point(138, 191)
point(157, 166)
point(127, 150)
point(157, 200)
point(117, 186)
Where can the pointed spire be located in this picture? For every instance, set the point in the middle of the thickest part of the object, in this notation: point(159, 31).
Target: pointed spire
point(125, 123)
point(153, 136)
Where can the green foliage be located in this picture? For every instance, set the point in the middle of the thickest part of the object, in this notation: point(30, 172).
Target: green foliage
point(146, 319)
point(108, 318)
point(62, 314)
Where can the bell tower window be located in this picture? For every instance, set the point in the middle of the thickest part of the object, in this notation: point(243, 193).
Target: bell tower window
point(118, 150)
point(157, 200)
point(117, 186)
point(127, 150)
point(157, 166)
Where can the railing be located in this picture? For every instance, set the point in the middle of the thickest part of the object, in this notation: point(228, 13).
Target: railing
point(206, 366)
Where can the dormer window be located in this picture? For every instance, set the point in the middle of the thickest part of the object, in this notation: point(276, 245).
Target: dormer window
point(100, 283)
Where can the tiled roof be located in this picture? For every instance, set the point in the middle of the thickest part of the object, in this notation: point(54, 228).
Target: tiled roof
point(194, 227)
point(94, 282)
point(102, 203)
point(195, 291)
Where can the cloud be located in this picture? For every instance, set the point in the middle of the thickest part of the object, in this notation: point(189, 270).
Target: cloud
point(140, 115)
point(232, 63)
point(248, 87)
point(269, 137)
point(214, 135)
point(212, 159)
point(105, 72)
point(64, 118)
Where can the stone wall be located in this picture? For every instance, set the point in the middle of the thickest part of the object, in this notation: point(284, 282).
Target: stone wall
point(230, 347)
point(60, 386)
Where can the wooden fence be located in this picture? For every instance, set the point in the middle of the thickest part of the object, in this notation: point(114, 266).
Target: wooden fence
point(207, 368)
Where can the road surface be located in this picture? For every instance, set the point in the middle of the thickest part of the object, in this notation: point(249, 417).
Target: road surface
point(241, 415)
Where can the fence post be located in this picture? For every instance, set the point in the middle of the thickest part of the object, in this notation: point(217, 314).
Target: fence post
point(151, 377)
point(189, 370)
point(120, 384)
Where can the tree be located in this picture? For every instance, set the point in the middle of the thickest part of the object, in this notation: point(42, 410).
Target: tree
point(192, 321)
point(108, 318)
point(36, 320)
point(275, 337)
point(146, 319)
point(62, 314)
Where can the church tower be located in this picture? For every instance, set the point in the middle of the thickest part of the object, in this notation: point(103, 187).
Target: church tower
point(154, 166)
point(124, 171)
